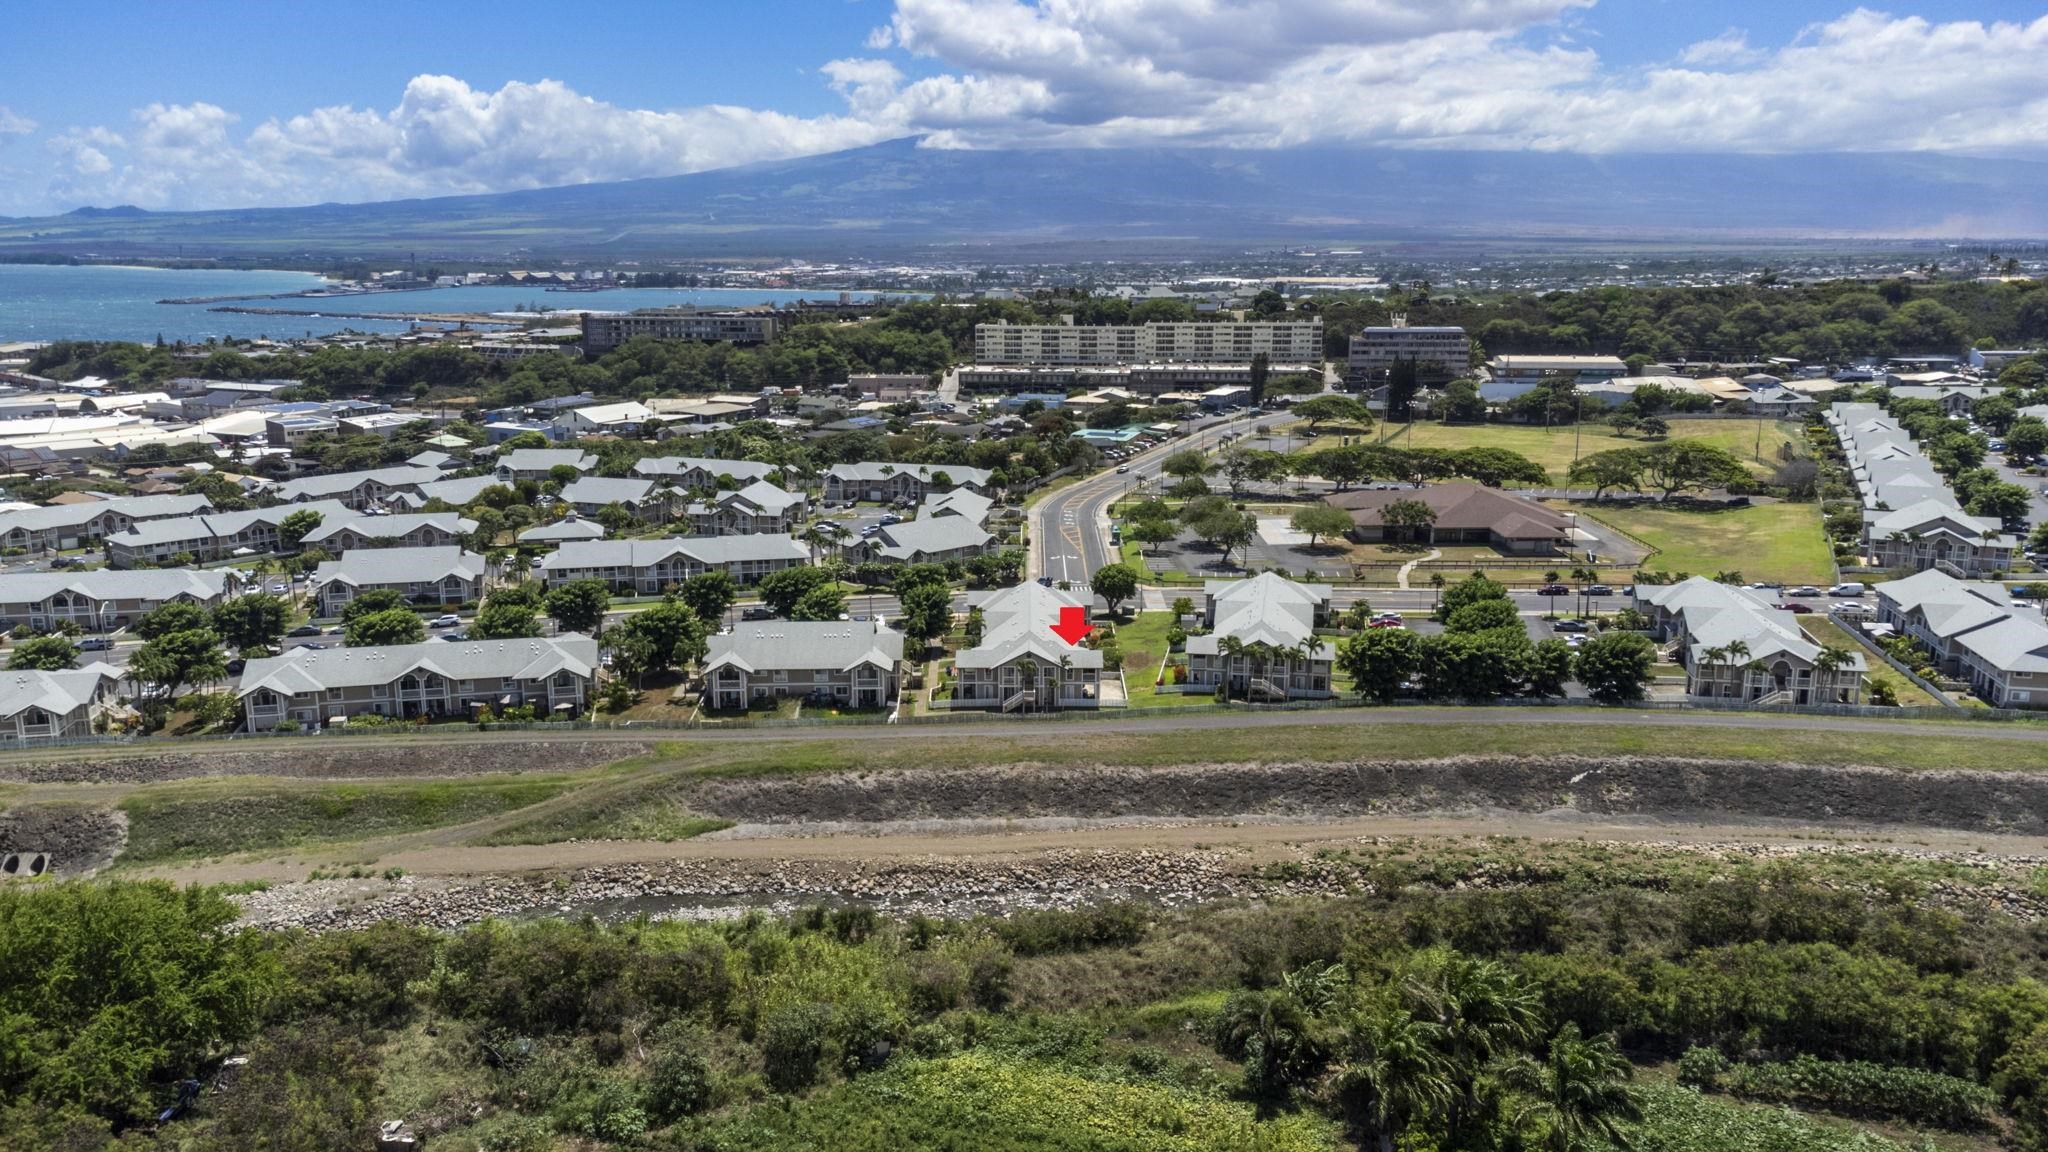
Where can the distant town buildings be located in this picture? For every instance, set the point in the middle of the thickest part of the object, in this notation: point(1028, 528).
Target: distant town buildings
point(604, 331)
point(1214, 342)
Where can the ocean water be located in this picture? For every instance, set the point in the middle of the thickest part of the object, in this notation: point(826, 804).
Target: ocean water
point(97, 302)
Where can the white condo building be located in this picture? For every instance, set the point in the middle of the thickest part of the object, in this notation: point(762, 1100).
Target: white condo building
point(1290, 341)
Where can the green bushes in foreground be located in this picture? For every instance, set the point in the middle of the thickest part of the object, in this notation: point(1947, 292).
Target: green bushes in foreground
point(1422, 1016)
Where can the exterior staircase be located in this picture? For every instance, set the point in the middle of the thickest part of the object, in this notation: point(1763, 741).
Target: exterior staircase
point(1260, 686)
point(1018, 699)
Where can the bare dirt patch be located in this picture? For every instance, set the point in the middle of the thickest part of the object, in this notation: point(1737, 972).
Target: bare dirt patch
point(80, 838)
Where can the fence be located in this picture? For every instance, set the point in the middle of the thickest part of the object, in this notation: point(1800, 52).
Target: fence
point(1865, 639)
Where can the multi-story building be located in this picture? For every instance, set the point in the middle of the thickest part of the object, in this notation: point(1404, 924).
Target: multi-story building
point(927, 540)
point(410, 530)
point(536, 463)
point(884, 482)
point(1912, 520)
point(692, 473)
point(62, 526)
point(358, 489)
point(1215, 342)
point(1262, 642)
point(650, 567)
point(604, 331)
point(853, 663)
point(649, 501)
point(107, 598)
point(425, 576)
point(312, 687)
point(1440, 352)
point(1736, 646)
point(1974, 631)
point(37, 706)
point(758, 507)
point(1021, 665)
point(214, 535)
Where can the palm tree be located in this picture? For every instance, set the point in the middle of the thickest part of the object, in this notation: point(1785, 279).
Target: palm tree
point(1550, 580)
point(1738, 653)
point(1390, 1072)
point(1484, 1010)
point(1278, 1039)
point(1580, 1093)
point(1436, 583)
point(1832, 659)
point(1713, 656)
point(1230, 649)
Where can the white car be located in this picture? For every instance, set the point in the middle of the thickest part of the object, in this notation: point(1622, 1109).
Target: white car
point(1853, 609)
point(445, 620)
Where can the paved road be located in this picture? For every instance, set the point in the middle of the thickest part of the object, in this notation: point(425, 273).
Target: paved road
point(1070, 528)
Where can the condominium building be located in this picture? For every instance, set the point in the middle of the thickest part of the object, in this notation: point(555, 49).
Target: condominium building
point(649, 567)
point(1021, 664)
point(408, 681)
point(1738, 647)
point(1440, 352)
point(1262, 643)
point(603, 331)
point(1299, 341)
point(855, 663)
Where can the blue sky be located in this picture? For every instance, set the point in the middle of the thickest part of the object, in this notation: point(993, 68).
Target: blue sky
point(215, 104)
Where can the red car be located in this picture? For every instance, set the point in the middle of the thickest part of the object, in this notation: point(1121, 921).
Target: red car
point(1795, 608)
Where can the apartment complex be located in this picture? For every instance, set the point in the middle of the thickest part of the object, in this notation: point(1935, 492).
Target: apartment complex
point(442, 575)
point(1912, 520)
point(1737, 646)
point(853, 663)
point(214, 535)
point(1262, 643)
point(1219, 342)
point(37, 706)
point(63, 526)
point(1021, 665)
point(604, 331)
point(886, 482)
point(1440, 352)
point(107, 598)
point(1974, 632)
point(408, 681)
point(649, 567)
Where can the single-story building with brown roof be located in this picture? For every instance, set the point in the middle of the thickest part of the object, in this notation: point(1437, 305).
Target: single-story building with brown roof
point(1465, 514)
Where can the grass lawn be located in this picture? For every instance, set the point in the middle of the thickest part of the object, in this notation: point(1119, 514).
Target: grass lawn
point(193, 819)
point(1763, 541)
point(648, 810)
point(1976, 747)
point(1911, 695)
point(1144, 644)
point(1552, 448)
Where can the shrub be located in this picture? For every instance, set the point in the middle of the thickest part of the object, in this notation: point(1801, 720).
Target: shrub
point(1702, 1068)
point(1858, 1088)
point(1039, 933)
point(678, 1077)
point(792, 1045)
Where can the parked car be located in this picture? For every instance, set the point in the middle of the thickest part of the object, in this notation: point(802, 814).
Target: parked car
point(1122, 468)
point(455, 636)
point(444, 620)
point(95, 644)
point(314, 647)
point(1386, 622)
point(236, 665)
point(1848, 588)
point(1570, 626)
point(305, 630)
point(1599, 590)
point(757, 613)
point(1803, 590)
point(1796, 608)
point(1553, 590)
point(338, 630)
point(1854, 610)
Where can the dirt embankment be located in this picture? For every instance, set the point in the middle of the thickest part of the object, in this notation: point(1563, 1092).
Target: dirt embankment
point(79, 838)
point(1654, 787)
point(318, 757)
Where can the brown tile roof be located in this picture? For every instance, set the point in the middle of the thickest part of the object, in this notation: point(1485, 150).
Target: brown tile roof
point(1461, 506)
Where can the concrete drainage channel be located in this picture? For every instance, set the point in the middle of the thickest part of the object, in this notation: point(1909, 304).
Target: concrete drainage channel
point(24, 865)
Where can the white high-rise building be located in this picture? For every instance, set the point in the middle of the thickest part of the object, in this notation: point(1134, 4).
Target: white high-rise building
point(1219, 342)
point(1440, 352)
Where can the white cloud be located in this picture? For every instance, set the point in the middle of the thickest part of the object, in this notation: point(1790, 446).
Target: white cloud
point(1244, 73)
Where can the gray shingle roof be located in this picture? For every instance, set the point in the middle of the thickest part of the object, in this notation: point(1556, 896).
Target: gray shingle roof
point(304, 670)
point(390, 527)
point(575, 528)
point(798, 645)
point(314, 487)
point(115, 584)
point(72, 515)
point(1018, 621)
point(372, 566)
point(744, 471)
point(1266, 609)
point(215, 525)
point(929, 536)
point(458, 491)
point(55, 692)
point(542, 459)
point(872, 471)
point(608, 490)
point(643, 553)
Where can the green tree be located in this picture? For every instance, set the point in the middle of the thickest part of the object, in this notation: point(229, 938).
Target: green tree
point(381, 629)
point(782, 590)
point(824, 601)
point(1495, 467)
point(2027, 438)
point(579, 605)
point(927, 611)
point(504, 620)
point(1152, 531)
point(43, 654)
point(1380, 661)
point(178, 616)
point(1336, 408)
point(1390, 1073)
point(662, 637)
point(374, 601)
point(1578, 1096)
point(1677, 465)
point(616, 520)
point(1602, 471)
point(175, 659)
point(294, 527)
point(1407, 519)
point(251, 623)
point(1115, 583)
point(1483, 616)
point(1277, 1039)
point(1261, 369)
point(710, 594)
point(1320, 520)
point(1186, 464)
point(109, 987)
point(1471, 590)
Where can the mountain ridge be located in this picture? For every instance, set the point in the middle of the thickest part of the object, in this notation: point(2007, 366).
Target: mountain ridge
point(897, 195)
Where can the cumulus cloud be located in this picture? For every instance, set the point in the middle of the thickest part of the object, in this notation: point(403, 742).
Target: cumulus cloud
point(1242, 73)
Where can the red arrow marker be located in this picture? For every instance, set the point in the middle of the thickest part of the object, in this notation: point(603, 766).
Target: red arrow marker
point(1073, 625)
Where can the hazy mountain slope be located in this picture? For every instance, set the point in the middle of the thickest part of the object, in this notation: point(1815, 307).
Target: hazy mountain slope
point(896, 194)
